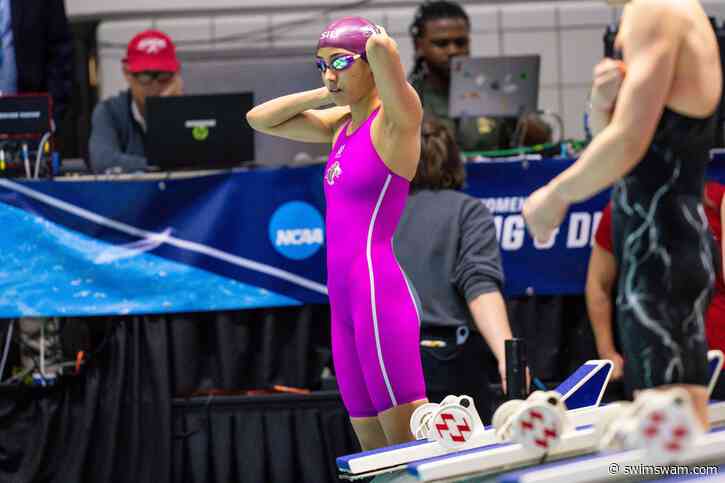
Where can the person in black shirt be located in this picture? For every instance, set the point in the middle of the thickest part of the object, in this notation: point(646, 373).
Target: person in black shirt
point(440, 31)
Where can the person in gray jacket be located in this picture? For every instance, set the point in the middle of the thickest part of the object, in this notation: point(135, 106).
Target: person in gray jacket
point(118, 126)
point(446, 244)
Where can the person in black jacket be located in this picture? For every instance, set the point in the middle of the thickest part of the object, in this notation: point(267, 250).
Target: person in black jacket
point(39, 39)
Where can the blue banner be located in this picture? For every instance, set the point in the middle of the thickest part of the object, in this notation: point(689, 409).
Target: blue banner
point(560, 265)
point(233, 241)
point(228, 241)
point(556, 267)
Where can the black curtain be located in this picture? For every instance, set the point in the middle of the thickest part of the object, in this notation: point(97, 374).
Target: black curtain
point(160, 398)
point(252, 349)
point(117, 420)
point(111, 424)
point(284, 438)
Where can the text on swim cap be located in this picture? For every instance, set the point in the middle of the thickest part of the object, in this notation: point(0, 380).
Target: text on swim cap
point(329, 35)
point(366, 30)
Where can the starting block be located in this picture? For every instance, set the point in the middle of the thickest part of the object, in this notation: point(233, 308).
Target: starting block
point(583, 440)
point(714, 364)
point(537, 423)
point(599, 467)
point(581, 393)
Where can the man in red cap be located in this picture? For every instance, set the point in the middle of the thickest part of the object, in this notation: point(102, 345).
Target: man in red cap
point(151, 68)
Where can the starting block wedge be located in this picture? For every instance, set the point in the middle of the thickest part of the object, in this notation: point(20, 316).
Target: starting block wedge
point(581, 392)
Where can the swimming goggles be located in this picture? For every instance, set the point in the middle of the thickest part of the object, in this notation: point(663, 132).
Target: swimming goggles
point(338, 63)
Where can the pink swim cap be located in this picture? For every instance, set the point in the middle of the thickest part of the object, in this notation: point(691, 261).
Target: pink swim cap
point(349, 33)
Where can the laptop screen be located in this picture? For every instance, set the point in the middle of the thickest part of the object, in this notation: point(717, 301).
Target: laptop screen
point(494, 86)
point(267, 77)
point(200, 132)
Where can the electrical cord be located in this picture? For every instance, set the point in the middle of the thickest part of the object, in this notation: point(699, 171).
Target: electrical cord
point(38, 361)
point(22, 374)
point(8, 339)
point(43, 140)
point(519, 135)
point(559, 122)
point(42, 349)
point(19, 376)
point(26, 160)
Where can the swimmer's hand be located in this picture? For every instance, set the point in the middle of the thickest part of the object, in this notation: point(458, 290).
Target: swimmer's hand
point(325, 97)
point(379, 35)
point(608, 77)
point(544, 210)
point(381, 30)
point(617, 360)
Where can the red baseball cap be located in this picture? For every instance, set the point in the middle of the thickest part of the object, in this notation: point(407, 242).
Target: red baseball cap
point(151, 50)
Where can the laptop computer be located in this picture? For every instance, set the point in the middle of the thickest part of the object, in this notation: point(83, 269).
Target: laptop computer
point(218, 72)
point(494, 86)
point(200, 132)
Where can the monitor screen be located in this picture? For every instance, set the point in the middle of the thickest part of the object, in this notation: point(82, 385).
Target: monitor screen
point(24, 116)
point(267, 78)
point(199, 131)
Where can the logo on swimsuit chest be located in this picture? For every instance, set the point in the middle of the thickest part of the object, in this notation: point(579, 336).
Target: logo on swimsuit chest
point(334, 171)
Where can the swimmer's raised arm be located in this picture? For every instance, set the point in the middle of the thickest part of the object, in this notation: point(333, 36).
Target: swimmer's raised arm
point(299, 117)
point(650, 53)
point(608, 77)
point(401, 106)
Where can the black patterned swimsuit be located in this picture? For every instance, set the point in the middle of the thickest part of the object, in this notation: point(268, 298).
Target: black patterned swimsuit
point(665, 254)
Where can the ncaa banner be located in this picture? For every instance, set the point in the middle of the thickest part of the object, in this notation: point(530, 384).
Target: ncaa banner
point(558, 266)
point(234, 240)
point(227, 241)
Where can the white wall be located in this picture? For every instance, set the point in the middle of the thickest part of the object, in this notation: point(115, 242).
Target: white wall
point(567, 35)
point(104, 8)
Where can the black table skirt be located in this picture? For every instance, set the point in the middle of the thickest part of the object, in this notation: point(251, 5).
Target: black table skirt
point(277, 438)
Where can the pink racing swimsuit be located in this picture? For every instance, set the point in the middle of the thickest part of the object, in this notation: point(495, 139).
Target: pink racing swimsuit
point(375, 322)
